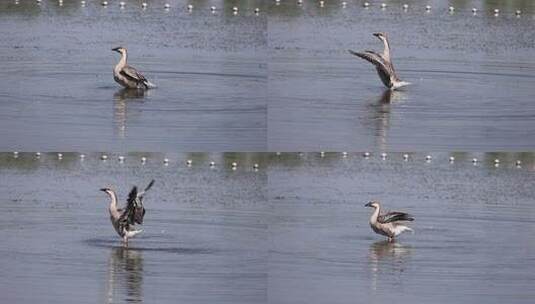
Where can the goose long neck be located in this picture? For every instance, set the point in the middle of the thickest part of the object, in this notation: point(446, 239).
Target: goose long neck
point(113, 203)
point(122, 62)
point(375, 214)
point(386, 52)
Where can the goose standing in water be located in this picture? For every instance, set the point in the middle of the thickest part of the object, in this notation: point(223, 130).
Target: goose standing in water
point(124, 220)
point(383, 64)
point(127, 76)
point(390, 224)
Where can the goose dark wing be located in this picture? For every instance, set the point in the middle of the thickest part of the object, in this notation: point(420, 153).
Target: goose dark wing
point(132, 74)
point(140, 195)
point(394, 217)
point(127, 217)
point(384, 69)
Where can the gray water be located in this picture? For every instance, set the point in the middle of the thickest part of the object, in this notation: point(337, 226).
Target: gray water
point(279, 81)
point(293, 231)
point(58, 92)
point(472, 77)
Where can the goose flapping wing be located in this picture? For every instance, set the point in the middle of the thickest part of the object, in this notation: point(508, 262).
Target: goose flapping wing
point(394, 216)
point(128, 216)
point(140, 194)
point(384, 68)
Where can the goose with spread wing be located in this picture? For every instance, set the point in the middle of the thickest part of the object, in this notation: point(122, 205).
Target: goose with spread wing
point(124, 220)
point(383, 64)
point(127, 76)
point(390, 224)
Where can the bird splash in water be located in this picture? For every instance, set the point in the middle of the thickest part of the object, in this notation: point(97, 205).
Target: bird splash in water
point(124, 220)
point(383, 64)
point(390, 224)
point(127, 76)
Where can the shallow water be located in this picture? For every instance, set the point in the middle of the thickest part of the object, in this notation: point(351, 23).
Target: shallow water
point(279, 81)
point(472, 77)
point(203, 240)
point(295, 231)
point(58, 92)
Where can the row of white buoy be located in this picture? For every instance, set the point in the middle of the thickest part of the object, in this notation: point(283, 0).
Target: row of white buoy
point(144, 5)
point(428, 158)
point(189, 162)
point(235, 9)
point(121, 159)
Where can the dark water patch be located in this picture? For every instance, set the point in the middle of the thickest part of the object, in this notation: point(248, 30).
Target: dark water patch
point(107, 243)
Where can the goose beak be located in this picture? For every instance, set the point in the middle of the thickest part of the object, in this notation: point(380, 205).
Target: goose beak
point(368, 204)
point(378, 35)
point(103, 189)
point(116, 49)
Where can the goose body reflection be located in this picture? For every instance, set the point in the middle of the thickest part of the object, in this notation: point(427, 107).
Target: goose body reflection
point(383, 64)
point(121, 98)
point(387, 261)
point(125, 276)
point(389, 224)
point(124, 220)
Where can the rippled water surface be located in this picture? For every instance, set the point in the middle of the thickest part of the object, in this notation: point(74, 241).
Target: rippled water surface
point(472, 77)
point(293, 231)
point(58, 92)
point(279, 80)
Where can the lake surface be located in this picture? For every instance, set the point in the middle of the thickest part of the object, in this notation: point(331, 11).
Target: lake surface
point(293, 231)
point(472, 77)
point(281, 80)
point(58, 91)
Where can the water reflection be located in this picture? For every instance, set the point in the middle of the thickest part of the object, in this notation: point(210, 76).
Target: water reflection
point(381, 115)
point(125, 275)
point(121, 97)
point(387, 262)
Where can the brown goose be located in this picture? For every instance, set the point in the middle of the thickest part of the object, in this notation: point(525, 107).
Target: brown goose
point(390, 224)
point(127, 76)
point(383, 64)
point(124, 220)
